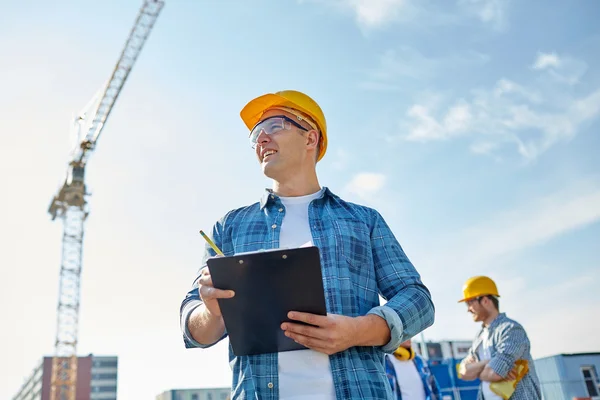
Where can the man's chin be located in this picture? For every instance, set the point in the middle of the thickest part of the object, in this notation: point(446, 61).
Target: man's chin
point(268, 169)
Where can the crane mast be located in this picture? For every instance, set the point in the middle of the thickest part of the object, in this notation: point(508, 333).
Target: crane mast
point(70, 205)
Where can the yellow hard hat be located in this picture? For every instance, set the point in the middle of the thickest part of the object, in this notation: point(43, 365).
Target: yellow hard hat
point(479, 286)
point(253, 111)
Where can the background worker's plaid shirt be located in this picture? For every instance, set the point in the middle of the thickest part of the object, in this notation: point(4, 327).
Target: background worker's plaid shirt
point(360, 259)
point(508, 342)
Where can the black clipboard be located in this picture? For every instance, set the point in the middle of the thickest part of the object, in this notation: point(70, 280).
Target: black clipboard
point(268, 285)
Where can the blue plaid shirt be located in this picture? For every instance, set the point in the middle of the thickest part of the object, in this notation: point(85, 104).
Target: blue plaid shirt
point(508, 342)
point(360, 259)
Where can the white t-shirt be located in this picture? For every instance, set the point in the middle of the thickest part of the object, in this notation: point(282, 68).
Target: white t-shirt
point(303, 374)
point(408, 379)
point(485, 354)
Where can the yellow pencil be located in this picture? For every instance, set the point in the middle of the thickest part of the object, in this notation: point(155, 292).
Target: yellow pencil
point(214, 246)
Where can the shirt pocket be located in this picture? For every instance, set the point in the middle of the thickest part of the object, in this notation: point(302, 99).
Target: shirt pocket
point(353, 244)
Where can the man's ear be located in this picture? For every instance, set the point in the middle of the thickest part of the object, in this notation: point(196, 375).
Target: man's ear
point(312, 138)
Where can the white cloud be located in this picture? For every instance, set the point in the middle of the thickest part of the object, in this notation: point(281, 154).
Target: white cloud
point(531, 118)
point(506, 86)
point(366, 184)
point(508, 232)
point(544, 61)
point(534, 224)
point(368, 13)
point(373, 13)
point(492, 12)
point(456, 120)
point(562, 69)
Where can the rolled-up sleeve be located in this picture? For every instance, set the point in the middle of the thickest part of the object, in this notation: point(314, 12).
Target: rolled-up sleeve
point(187, 307)
point(192, 299)
point(512, 346)
point(409, 309)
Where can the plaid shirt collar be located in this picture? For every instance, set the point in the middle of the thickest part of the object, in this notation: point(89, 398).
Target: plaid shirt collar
point(269, 196)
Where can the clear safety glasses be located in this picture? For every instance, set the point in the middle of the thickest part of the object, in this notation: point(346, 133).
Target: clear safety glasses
point(273, 125)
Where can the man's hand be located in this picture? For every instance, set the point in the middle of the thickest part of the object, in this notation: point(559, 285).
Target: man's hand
point(512, 375)
point(330, 334)
point(470, 368)
point(209, 294)
point(469, 359)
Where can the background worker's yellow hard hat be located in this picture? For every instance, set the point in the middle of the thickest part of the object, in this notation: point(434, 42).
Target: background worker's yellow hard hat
point(253, 111)
point(479, 286)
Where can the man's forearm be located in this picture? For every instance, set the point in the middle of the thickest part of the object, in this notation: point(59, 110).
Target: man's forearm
point(471, 371)
point(372, 330)
point(489, 375)
point(204, 327)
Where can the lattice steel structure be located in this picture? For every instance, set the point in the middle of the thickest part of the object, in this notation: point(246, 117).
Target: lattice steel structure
point(70, 204)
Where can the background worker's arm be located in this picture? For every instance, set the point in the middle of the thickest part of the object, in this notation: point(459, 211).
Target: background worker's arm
point(512, 346)
point(470, 369)
point(489, 375)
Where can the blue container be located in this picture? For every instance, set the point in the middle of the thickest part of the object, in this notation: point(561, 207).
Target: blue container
point(451, 386)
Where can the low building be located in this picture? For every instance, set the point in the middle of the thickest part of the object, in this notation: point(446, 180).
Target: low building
point(568, 376)
point(96, 379)
point(196, 394)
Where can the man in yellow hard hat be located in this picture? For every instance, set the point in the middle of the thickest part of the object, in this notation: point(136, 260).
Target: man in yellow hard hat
point(360, 258)
point(499, 346)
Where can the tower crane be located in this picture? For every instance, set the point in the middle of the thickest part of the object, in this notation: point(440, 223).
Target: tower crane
point(70, 205)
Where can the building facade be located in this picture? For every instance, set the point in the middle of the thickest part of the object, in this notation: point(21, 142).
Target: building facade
point(196, 394)
point(568, 376)
point(96, 379)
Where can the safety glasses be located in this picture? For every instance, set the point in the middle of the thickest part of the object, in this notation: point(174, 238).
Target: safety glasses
point(273, 125)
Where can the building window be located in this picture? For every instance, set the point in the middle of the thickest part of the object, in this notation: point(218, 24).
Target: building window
point(112, 377)
point(590, 377)
point(209, 396)
point(106, 363)
point(194, 396)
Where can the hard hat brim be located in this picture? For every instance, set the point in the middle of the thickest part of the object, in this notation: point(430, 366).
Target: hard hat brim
point(479, 295)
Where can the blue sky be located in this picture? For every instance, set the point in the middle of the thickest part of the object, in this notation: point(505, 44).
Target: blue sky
point(471, 125)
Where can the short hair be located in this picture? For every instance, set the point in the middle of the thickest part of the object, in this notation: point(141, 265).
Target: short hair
point(494, 301)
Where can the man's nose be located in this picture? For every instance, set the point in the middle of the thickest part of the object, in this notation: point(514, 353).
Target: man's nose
point(263, 137)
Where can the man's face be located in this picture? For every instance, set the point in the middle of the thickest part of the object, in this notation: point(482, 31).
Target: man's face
point(284, 151)
point(477, 309)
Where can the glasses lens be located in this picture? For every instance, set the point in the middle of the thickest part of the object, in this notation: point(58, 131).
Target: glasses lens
point(269, 126)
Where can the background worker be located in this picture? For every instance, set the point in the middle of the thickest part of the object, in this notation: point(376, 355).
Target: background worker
point(409, 375)
point(360, 259)
point(499, 343)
